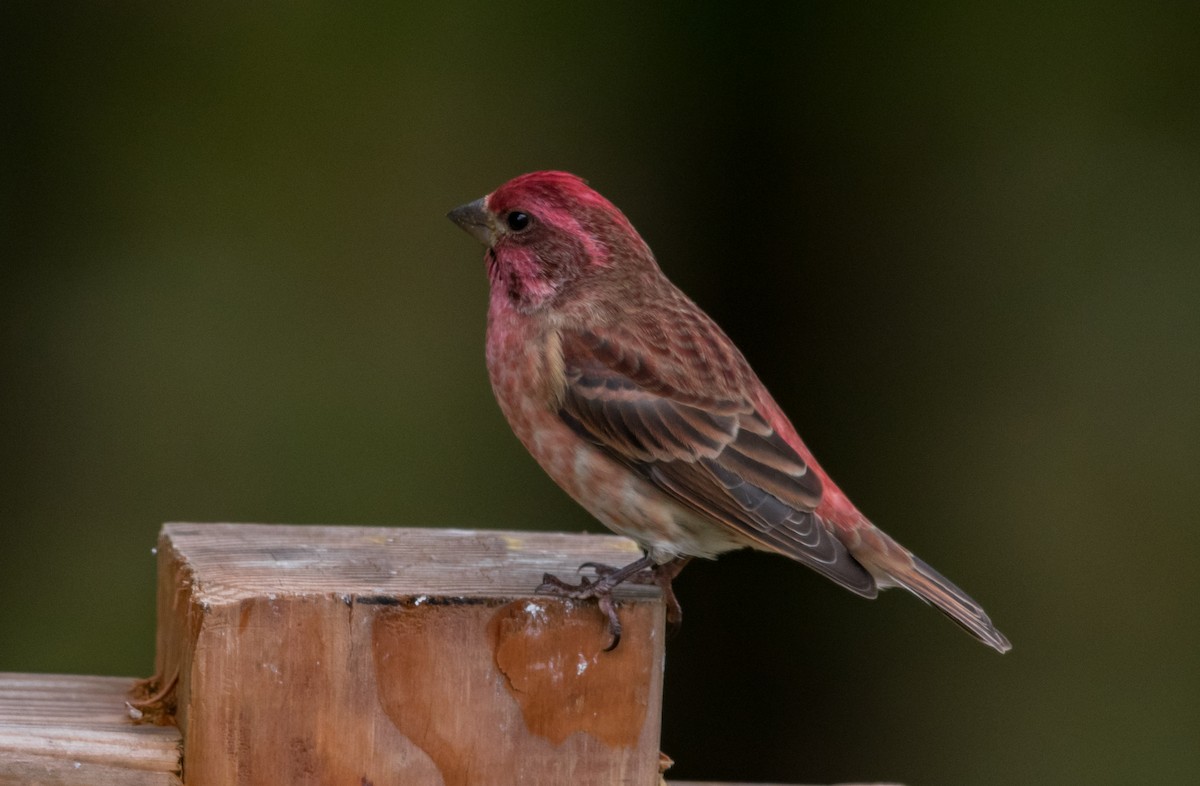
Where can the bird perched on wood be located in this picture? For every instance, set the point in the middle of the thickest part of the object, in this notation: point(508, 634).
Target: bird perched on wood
point(643, 410)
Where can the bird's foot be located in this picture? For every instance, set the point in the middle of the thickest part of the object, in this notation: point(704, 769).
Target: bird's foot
point(656, 575)
point(587, 589)
point(642, 571)
point(601, 589)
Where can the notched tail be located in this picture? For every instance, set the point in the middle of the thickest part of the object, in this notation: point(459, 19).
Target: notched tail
point(938, 591)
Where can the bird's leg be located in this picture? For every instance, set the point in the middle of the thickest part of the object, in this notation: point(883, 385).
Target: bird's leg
point(601, 589)
point(663, 575)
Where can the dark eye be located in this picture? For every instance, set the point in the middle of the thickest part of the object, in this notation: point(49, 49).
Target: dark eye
point(517, 221)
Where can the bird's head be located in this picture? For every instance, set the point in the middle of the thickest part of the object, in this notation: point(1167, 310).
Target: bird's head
point(546, 232)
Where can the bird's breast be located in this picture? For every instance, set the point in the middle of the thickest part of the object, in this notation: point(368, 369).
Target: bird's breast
point(525, 365)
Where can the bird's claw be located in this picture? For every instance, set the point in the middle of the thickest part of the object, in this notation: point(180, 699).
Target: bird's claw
point(609, 608)
point(600, 569)
point(674, 612)
point(553, 585)
point(643, 571)
point(663, 575)
point(587, 589)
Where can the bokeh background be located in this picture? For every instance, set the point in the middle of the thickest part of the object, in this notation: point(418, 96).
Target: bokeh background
point(960, 243)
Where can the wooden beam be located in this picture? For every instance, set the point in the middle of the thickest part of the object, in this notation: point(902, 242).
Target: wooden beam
point(70, 731)
point(317, 655)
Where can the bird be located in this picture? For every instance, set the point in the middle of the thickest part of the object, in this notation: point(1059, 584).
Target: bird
point(642, 409)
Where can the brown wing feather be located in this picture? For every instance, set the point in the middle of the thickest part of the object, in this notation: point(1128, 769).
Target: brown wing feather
point(706, 447)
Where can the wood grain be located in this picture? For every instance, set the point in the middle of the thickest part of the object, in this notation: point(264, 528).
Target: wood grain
point(318, 655)
point(70, 730)
point(361, 656)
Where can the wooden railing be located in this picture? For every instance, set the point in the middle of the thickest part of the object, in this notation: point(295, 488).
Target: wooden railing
point(359, 657)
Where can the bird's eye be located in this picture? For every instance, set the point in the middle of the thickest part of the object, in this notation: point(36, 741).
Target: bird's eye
point(517, 221)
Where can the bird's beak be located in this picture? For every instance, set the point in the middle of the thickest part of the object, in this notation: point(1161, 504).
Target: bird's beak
point(475, 219)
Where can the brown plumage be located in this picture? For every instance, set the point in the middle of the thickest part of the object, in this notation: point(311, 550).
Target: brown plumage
point(642, 409)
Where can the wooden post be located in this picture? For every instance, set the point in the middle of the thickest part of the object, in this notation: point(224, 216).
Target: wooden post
point(371, 656)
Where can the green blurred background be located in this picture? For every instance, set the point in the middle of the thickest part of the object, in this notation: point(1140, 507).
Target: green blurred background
point(960, 242)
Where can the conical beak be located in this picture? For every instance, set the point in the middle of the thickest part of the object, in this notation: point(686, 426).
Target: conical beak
point(475, 219)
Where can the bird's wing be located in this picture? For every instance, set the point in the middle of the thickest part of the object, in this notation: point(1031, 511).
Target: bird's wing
point(679, 415)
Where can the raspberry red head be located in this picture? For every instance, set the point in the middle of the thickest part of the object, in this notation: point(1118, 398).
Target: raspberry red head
point(559, 199)
point(546, 230)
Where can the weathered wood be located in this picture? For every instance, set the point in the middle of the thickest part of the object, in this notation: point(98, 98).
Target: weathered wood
point(70, 731)
point(318, 655)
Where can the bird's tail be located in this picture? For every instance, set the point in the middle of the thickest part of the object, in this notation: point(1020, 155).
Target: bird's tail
point(935, 589)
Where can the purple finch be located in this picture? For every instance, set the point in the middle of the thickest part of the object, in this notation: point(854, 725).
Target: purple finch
point(643, 410)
